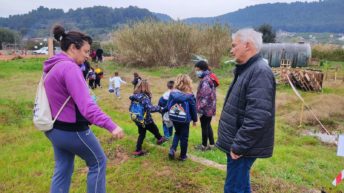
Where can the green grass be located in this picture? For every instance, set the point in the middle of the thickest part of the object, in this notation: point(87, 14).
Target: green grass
point(299, 163)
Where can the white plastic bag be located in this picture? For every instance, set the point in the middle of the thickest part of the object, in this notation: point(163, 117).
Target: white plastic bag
point(167, 121)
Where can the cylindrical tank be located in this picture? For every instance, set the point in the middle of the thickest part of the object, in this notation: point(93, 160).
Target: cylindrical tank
point(298, 53)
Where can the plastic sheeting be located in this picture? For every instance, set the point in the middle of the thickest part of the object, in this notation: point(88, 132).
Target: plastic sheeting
point(298, 53)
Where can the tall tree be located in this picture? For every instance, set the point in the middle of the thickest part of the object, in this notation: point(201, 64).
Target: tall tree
point(269, 35)
point(8, 36)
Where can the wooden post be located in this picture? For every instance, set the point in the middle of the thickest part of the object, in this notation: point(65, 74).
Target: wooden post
point(50, 47)
point(301, 114)
point(335, 74)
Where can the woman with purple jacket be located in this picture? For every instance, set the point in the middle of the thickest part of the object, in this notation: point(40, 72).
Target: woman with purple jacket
point(71, 134)
point(205, 104)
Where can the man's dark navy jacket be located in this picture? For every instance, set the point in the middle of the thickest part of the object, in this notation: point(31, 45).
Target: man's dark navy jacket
point(247, 121)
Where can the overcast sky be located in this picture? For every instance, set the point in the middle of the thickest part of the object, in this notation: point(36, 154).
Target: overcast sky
point(175, 8)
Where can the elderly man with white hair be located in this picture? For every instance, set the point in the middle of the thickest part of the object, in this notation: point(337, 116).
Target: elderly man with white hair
point(246, 125)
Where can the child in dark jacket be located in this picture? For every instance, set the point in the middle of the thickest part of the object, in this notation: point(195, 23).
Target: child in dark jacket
point(206, 104)
point(182, 94)
point(143, 95)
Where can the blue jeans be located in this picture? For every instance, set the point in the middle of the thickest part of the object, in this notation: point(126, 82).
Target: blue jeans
point(181, 134)
point(117, 92)
point(167, 130)
point(85, 145)
point(238, 175)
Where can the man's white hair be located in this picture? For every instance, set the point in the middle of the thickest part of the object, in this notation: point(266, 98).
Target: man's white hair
point(250, 35)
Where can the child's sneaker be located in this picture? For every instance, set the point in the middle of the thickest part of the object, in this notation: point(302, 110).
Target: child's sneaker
point(161, 141)
point(201, 147)
point(211, 147)
point(171, 154)
point(184, 158)
point(139, 153)
point(167, 138)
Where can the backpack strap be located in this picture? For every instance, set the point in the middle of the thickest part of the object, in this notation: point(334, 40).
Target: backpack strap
point(145, 110)
point(64, 104)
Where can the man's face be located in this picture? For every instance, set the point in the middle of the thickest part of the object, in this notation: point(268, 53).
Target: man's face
point(239, 50)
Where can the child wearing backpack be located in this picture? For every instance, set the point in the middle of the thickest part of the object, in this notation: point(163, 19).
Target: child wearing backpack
point(115, 84)
point(167, 124)
point(91, 76)
point(181, 107)
point(206, 103)
point(140, 109)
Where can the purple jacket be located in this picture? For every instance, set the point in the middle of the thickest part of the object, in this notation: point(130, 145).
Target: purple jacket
point(206, 96)
point(65, 80)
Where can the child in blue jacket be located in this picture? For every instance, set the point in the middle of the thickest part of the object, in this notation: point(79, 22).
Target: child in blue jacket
point(181, 107)
point(143, 95)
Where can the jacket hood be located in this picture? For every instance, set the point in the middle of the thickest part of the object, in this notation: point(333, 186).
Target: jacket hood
point(138, 97)
point(50, 63)
point(205, 73)
point(179, 96)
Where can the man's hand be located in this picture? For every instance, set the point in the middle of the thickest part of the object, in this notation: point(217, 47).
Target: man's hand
point(118, 133)
point(235, 156)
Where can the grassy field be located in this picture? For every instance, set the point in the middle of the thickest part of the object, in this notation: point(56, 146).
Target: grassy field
point(300, 163)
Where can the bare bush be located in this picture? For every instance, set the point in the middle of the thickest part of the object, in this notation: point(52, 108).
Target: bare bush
point(215, 42)
point(328, 108)
point(328, 52)
point(152, 43)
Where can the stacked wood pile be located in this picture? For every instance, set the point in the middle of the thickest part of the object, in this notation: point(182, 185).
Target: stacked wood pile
point(306, 80)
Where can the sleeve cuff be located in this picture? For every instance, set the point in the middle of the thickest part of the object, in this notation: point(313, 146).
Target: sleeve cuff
point(235, 149)
point(112, 127)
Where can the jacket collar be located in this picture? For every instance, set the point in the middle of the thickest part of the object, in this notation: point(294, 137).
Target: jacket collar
point(242, 67)
point(205, 73)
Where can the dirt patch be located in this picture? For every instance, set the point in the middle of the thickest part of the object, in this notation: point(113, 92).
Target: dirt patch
point(283, 99)
point(12, 57)
point(117, 156)
point(165, 171)
point(114, 156)
point(145, 164)
point(264, 184)
point(38, 173)
point(188, 186)
point(208, 163)
point(328, 109)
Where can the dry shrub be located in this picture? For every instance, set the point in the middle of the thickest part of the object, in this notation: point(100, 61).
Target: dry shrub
point(328, 52)
point(265, 184)
point(283, 99)
point(152, 43)
point(328, 109)
point(214, 42)
point(325, 47)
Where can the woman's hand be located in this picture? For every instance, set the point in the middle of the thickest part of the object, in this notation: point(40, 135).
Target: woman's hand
point(118, 133)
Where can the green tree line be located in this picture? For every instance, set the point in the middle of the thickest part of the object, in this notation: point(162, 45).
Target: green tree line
point(96, 21)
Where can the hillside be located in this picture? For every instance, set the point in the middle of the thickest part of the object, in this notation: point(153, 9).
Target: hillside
point(320, 16)
point(163, 17)
point(96, 21)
